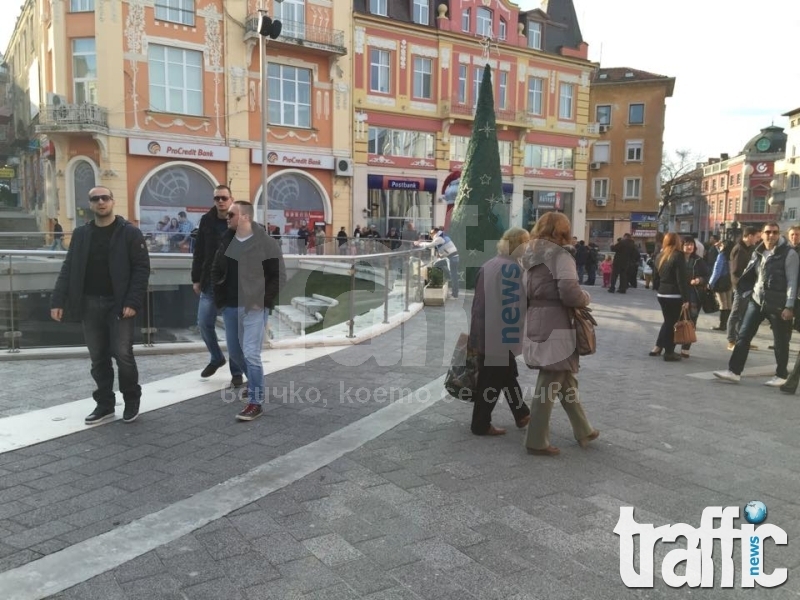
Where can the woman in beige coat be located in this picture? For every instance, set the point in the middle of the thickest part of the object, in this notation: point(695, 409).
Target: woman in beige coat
point(549, 345)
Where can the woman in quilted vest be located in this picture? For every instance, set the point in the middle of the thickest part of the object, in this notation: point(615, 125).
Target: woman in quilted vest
point(552, 289)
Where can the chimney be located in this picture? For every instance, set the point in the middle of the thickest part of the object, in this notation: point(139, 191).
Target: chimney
point(724, 156)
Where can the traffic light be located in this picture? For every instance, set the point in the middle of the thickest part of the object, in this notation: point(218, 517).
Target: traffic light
point(269, 28)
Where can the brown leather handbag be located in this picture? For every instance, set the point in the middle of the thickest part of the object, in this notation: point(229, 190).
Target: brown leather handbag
point(584, 324)
point(684, 329)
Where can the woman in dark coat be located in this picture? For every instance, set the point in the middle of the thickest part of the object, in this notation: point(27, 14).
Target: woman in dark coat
point(495, 333)
point(672, 282)
point(552, 289)
point(697, 271)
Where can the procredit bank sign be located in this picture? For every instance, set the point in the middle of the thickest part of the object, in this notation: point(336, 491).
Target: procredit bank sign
point(292, 159)
point(178, 150)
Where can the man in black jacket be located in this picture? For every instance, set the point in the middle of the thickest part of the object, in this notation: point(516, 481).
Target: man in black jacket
point(103, 284)
point(740, 257)
point(624, 250)
point(212, 226)
point(247, 274)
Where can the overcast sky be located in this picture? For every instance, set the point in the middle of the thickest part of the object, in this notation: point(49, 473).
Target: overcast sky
point(736, 63)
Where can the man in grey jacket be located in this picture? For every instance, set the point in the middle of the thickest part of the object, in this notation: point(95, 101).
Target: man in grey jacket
point(769, 285)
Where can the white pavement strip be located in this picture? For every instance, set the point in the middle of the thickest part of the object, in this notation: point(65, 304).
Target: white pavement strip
point(76, 564)
point(35, 427)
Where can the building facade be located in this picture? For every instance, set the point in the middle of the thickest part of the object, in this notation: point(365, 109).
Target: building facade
point(737, 189)
point(624, 187)
point(416, 72)
point(786, 184)
point(179, 107)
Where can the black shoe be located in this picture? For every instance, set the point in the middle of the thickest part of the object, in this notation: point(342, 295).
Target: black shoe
point(131, 411)
point(211, 368)
point(250, 412)
point(237, 381)
point(100, 415)
point(672, 357)
point(788, 389)
point(610, 290)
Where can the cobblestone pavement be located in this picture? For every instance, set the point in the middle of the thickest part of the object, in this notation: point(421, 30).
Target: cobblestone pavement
point(425, 510)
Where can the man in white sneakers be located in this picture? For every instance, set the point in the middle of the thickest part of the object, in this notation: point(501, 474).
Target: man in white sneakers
point(769, 286)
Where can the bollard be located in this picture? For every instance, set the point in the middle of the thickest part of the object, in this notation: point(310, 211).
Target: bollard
point(352, 322)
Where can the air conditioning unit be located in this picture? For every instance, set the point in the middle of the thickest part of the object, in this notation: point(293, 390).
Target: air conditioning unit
point(56, 99)
point(344, 167)
point(594, 166)
point(601, 201)
point(604, 128)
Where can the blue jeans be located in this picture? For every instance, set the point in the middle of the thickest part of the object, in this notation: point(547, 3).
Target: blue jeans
point(244, 332)
point(207, 323)
point(453, 260)
point(781, 331)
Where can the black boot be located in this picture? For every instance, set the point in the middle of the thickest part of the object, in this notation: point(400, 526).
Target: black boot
point(723, 321)
point(790, 387)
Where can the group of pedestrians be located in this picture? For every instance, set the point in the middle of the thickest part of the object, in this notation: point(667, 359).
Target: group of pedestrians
point(523, 298)
point(237, 271)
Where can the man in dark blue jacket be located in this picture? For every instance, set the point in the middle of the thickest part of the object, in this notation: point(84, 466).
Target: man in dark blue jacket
point(103, 284)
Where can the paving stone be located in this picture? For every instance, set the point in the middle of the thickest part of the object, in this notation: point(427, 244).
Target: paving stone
point(102, 587)
point(308, 573)
point(249, 570)
point(398, 593)
point(332, 549)
point(428, 582)
point(218, 589)
point(224, 543)
point(279, 548)
point(364, 576)
point(155, 587)
point(36, 535)
point(336, 592)
point(12, 561)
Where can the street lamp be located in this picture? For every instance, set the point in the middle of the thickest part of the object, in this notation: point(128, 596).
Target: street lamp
point(268, 29)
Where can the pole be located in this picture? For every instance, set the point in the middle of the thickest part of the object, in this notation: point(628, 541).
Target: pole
point(264, 122)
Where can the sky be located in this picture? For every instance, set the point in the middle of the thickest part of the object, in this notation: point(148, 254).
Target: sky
point(736, 63)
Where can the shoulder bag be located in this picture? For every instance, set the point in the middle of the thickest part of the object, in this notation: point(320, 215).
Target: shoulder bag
point(461, 380)
point(584, 324)
point(684, 329)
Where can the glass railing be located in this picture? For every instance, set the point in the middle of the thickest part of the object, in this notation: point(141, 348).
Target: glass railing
point(333, 290)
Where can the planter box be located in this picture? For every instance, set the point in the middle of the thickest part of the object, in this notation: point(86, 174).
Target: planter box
point(435, 296)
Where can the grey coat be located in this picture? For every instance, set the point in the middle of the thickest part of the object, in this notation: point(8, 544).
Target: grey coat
point(551, 284)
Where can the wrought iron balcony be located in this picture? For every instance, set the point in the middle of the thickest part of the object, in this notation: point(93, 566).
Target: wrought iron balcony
point(71, 118)
point(297, 33)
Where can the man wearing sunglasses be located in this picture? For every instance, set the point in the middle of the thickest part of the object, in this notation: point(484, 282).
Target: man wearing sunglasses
point(247, 275)
point(212, 227)
point(769, 286)
point(103, 284)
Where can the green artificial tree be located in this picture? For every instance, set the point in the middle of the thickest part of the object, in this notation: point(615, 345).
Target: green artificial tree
point(474, 227)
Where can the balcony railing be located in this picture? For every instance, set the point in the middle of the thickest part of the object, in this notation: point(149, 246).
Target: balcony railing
point(72, 117)
point(302, 34)
point(467, 111)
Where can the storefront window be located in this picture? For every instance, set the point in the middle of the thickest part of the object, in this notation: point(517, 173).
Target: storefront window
point(398, 142)
point(537, 202)
point(395, 208)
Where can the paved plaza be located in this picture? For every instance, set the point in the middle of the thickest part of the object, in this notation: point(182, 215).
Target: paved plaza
point(364, 481)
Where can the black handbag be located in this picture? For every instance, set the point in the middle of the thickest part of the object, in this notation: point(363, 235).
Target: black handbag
point(461, 380)
point(708, 301)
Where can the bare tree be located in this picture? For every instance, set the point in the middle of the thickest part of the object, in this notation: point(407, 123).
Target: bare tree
point(681, 176)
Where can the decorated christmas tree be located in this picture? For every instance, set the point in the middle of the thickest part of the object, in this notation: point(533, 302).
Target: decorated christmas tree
point(475, 228)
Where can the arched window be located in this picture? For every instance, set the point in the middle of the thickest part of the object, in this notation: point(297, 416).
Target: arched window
point(83, 180)
point(171, 190)
point(293, 198)
point(483, 23)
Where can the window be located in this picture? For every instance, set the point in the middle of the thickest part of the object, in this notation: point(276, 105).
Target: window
point(794, 181)
point(633, 151)
point(534, 35)
point(599, 188)
point(636, 114)
point(379, 71)
point(713, 185)
point(422, 12)
point(462, 84)
point(633, 188)
point(423, 68)
point(378, 7)
point(483, 23)
point(565, 96)
point(398, 142)
point(477, 76)
point(292, 15)
point(465, 20)
point(506, 152)
point(81, 5)
point(535, 95)
point(738, 179)
point(176, 11)
point(502, 92)
point(289, 96)
point(792, 214)
point(84, 71)
point(601, 152)
point(548, 157)
point(759, 205)
point(176, 80)
point(458, 147)
point(603, 114)
point(501, 30)
point(722, 182)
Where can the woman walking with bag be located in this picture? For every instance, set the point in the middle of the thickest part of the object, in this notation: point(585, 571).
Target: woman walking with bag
point(551, 286)
point(498, 342)
point(720, 282)
point(697, 271)
point(672, 282)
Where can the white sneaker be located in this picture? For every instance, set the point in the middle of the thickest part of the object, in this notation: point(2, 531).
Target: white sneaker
point(775, 382)
point(727, 376)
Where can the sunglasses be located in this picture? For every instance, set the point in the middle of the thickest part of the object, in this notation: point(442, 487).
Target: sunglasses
point(221, 198)
point(104, 198)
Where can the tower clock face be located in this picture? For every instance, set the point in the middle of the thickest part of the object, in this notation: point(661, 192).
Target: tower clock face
point(763, 144)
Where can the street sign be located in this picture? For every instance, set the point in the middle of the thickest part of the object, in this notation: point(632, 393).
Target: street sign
point(7, 173)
